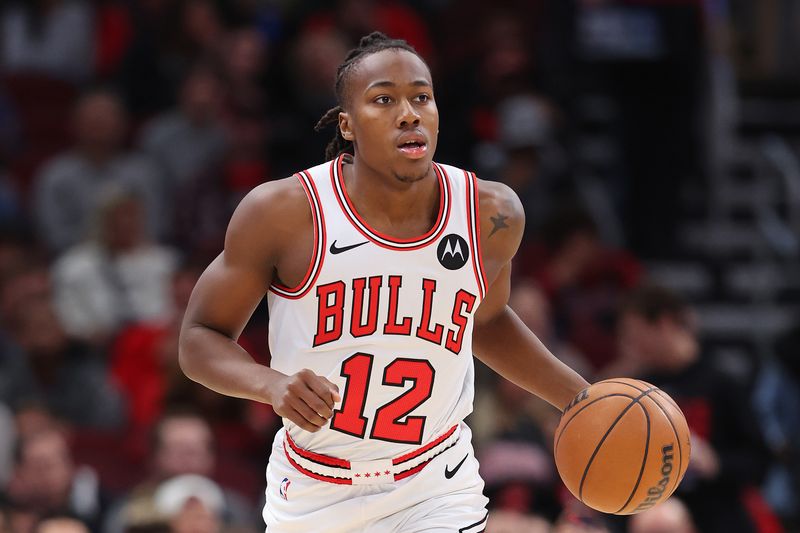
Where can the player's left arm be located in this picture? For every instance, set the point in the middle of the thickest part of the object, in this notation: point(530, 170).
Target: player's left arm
point(500, 339)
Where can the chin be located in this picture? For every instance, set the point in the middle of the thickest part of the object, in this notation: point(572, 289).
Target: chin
point(415, 171)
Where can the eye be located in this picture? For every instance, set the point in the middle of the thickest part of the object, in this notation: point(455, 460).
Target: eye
point(423, 98)
point(383, 100)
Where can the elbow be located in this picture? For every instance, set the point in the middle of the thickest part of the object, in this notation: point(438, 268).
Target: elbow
point(187, 354)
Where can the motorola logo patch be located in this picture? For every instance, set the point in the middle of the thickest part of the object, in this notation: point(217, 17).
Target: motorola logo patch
point(453, 252)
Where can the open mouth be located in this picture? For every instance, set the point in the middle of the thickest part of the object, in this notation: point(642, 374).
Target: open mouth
point(413, 149)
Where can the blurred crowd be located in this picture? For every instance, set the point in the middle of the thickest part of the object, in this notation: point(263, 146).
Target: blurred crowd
point(130, 130)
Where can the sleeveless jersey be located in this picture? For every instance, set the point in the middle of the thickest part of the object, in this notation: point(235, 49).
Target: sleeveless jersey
point(387, 320)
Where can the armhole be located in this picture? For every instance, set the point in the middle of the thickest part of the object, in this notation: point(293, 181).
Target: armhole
point(318, 254)
point(473, 214)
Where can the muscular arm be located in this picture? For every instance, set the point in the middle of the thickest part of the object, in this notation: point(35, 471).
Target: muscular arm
point(500, 339)
point(227, 293)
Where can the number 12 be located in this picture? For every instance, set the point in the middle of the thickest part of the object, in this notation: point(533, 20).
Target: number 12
point(350, 418)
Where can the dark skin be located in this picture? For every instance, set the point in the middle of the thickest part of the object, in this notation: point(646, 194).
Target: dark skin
point(270, 237)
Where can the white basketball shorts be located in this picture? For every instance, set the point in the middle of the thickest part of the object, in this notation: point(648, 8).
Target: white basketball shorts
point(445, 496)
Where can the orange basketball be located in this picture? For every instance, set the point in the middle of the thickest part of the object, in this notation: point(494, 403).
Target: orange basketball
point(622, 446)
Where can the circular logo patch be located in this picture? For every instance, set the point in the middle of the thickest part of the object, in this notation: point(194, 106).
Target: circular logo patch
point(453, 252)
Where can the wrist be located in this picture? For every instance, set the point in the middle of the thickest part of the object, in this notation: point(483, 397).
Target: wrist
point(268, 384)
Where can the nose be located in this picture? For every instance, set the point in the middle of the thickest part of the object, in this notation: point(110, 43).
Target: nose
point(408, 115)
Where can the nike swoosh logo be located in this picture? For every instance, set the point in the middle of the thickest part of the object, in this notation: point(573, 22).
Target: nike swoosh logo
point(337, 250)
point(450, 473)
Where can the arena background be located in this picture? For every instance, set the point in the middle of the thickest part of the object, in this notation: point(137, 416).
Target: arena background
point(653, 142)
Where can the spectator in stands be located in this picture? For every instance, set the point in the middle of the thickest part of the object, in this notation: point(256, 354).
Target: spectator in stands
point(520, 477)
point(498, 66)
point(310, 65)
point(777, 401)
point(43, 364)
point(202, 29)
point(144, 356)
point(578, 518)
point(182, 444)
point(187, 139)
point(527, 156)
point(52, 37)
point(671, 516)
point(191, 504)
point(514, 522)
point(67, 188)
point(61, 524)
point(46, 480)
point(245, 65)
point(15, 518)
point(729, 457)
point(530, 304)
point(584, 281)
point(210, 198)
point(119, 276)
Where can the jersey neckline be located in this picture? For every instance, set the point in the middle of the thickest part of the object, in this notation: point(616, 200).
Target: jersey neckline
point(387, 241)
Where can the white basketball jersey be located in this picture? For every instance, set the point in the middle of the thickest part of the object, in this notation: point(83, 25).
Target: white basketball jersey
point(388, 320)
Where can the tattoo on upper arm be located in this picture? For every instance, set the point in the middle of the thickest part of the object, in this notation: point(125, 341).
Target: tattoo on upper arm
point(499, 223)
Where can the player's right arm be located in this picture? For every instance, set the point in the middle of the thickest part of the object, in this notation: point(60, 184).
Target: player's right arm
point(261, 239)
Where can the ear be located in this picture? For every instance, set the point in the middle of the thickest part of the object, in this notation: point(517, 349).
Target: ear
point(344, 126)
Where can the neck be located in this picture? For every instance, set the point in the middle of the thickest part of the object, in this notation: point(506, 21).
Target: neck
point(399, 208)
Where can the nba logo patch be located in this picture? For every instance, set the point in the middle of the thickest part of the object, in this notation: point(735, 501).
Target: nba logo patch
point(285, 488)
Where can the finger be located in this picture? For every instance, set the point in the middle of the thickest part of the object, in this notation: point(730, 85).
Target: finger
point(307, 412)
point(333, 390)
point(325, 390)
point(317, 403)
point(300, 420)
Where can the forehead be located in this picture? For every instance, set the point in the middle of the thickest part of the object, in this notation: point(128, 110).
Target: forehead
point(397, 66)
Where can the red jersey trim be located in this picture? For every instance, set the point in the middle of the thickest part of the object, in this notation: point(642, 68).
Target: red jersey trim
point(387, 241)
point(318, 256)
point(473, 215)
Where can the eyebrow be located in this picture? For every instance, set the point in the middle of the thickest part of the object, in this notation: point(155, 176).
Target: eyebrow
point(387, 83)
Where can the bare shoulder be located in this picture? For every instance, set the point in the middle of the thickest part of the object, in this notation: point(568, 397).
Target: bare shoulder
point(269, 216)
point(502, 220)
point(496, 196)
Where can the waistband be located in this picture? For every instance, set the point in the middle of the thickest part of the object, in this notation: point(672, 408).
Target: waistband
point(344, 472)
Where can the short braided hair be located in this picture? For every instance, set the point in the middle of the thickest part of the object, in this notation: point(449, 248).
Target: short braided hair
point(368, 45)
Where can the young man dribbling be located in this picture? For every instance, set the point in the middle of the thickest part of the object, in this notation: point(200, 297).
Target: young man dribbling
point(384, 272)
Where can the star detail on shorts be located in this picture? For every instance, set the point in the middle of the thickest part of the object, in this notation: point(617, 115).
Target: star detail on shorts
point(367, 474)
point(358, 475)
point(387, 472)
point(377, 474)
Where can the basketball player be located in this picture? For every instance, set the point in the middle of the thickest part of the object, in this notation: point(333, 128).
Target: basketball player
point(384, 272)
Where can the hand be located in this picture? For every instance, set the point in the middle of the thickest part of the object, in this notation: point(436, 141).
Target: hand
point(306, 399)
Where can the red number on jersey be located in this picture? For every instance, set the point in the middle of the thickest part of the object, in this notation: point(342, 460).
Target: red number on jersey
point(350, 418)
point(387, 426)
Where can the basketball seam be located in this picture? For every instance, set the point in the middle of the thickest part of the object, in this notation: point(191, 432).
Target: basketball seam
point(670, 400)
point(644, 459)
point(558, 439)
point(603, 439)
point(677, 438)
point(623, 383)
